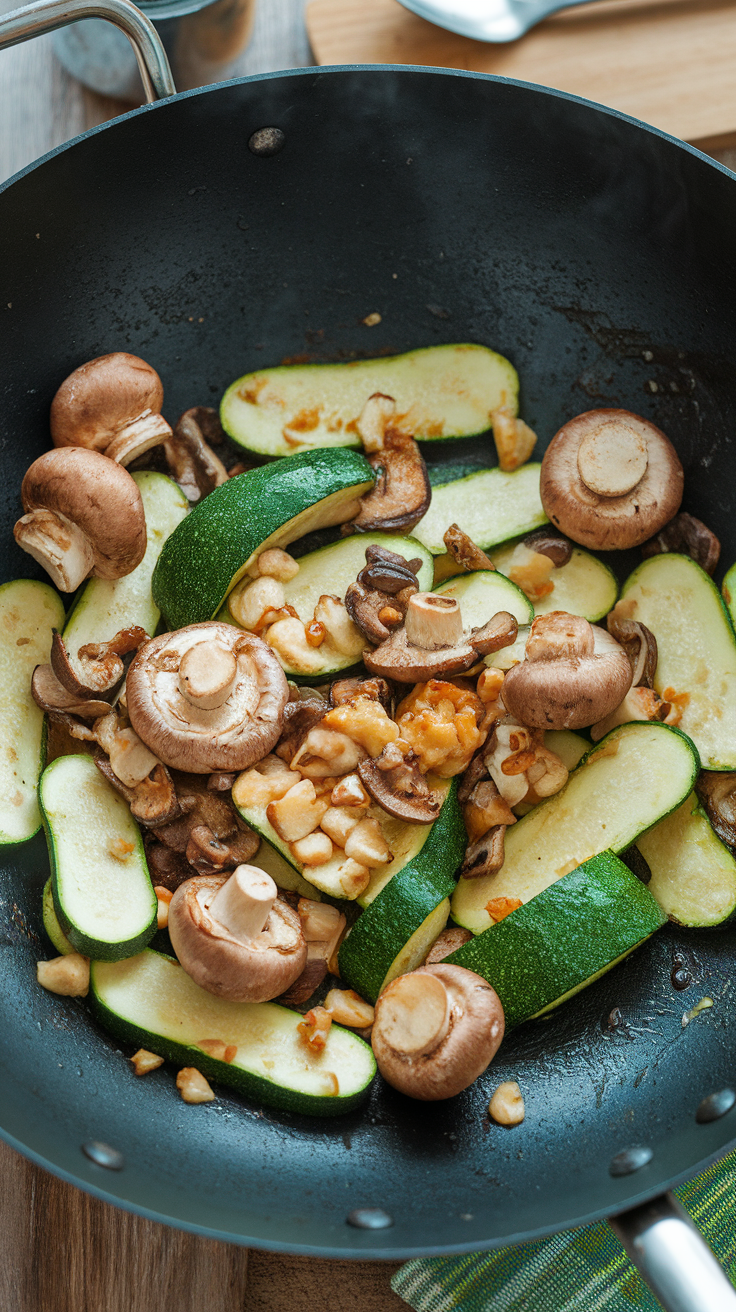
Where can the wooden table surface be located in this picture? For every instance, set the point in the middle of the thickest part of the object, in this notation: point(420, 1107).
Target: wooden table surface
point(61, 1250)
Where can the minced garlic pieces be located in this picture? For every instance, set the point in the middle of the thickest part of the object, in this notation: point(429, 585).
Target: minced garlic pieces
point(68, 976)
point(507, 1104)
point(348, 1008)
point(514, 439)
point(440, 723)
point(144, 1061)
point(193, 1087)
point(314, 1028)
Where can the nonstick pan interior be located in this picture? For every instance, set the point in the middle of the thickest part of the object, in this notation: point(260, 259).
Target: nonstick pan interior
point(597, 255)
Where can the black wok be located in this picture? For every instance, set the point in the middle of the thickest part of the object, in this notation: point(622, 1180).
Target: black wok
point(599, 255)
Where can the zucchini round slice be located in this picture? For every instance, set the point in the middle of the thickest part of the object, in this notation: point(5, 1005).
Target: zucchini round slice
point(440, 392)
point(490, 507)
point(105, 606)
point(693, 872)
point(584, 586)
point(103, 896)
point(631, 779)
point(29, 613)
point(51, 922)
point(267, 507)
point(564, 938)
point(483, 593)
point(151, 1002)
point(678, 601)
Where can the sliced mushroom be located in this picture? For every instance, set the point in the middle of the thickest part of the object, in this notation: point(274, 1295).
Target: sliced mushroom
point(640, 646)
point(552, 545)
point(433, 642)
point(690, 536)
point(717, 793)
point(84, 515)
point(375, 418)
point(99, 663)
point(573, 674)
point(395, 782)
point(486, 856)
point(112, 405)
point(485, 809)
point(464, 551)
point(207, 697)
point(153, 801)
point(610, 480)
point(377, 601)
point(209, 831)
point(235, 937)
point(192, 462)
point(402, 493)
point(299, 718)
point(167, 868)
point(53, 697)
point(346, 690)
point(448, 942)
point(436, 1030)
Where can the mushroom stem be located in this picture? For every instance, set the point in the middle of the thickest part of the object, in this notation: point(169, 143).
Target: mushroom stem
point(244, 903)
point(433, 621)
point(207, 675)
point(416, 1014)
point(147, 431)
point(63, 549)
point(612, 460)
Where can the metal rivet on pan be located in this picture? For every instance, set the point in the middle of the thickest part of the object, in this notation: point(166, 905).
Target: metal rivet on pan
point(630, 1160)
point(103, 1155)
point(715, 1105)
point(267, 141)
point(370, 1218)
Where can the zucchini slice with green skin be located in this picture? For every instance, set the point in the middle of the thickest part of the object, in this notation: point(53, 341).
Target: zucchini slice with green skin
point(272, 506)
point(584, 586)
point(680, 603)
point(490, 507)
point(407, 913)
point(103, 896)
point(151, 1002)
point(631, 779)
point(569, 746)
point(331, 570)
point(728, 591)
point(564, 938)
point(482, 593)
point(440, 392)
point(105, 606)
point(51, 922)
point(29, 613)
point(693, 872)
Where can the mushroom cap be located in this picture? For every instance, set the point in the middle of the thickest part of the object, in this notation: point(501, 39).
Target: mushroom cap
point(610, 479)
point(471, 1031)
point(402, 492)
point(402, 791)
point(399, 659)
point(568, 691)
point(195, 738)
point(97, 495)
point(101, 397)
point(255, 971)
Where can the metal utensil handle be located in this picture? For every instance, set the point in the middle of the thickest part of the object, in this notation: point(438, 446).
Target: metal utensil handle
point(47, 15)
point(673, 1257)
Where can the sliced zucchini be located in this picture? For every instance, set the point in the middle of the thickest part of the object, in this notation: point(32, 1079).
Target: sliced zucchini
point(151, 1002)
point(408, 910)
point(693, 872)
point(490, 507)
point(584, 586)
point(569, 746)
point(483, 593)
point(631, 779)
point(103, 896)
point(566, 937)
point(272, 506)
point(29, 613)
point(331, 570)
point(283, 874)
point(440, 392)
point(677, 600)
point(105, 606)
point(51, 922)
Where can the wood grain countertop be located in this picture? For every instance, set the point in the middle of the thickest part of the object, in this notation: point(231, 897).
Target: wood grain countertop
point(61, 1250)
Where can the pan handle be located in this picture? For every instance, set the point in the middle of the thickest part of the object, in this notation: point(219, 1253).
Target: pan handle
point(47, 15)
point(673, 1257)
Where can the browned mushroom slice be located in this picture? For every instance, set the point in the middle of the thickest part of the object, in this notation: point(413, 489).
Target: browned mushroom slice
point(99, 663)
point(299, 718)
point(389, 576)
point(691, 537)
point(402, 493)
point(398, 659)
point(205, 852)
point(377, 555)
point(345, 690)
point(500, 631)
point(553, 545)
point(166, 867)
point(399, 787)
point(306, 985)
point(52, 696)
point(486, 856)
point(448, 942)
point(484, 809)
point(476, 772)
point(153, 801)
point(369, 610)
point(640, 646)
point(464, 551)
point(717, 794)
point(219, 782)
point(192, 462)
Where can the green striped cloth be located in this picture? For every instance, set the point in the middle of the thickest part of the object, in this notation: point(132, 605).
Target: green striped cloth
point(582, 1270)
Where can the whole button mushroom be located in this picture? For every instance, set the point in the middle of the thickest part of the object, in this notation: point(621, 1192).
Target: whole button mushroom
point(84, 515)
point(436, 1030)
point(610, 480)
point(111, 404)
point(573, 674)
point(208, 697)
point(235, 937)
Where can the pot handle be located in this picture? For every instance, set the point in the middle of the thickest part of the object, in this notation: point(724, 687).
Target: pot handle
point(673, 1257)
point(47, 15)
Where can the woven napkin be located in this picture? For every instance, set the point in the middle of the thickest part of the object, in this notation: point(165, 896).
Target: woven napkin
point(582, 1270)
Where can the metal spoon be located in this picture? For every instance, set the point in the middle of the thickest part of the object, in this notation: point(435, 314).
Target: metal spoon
point(487, 20)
